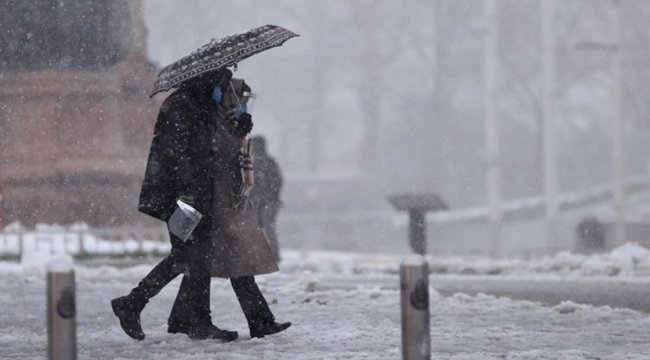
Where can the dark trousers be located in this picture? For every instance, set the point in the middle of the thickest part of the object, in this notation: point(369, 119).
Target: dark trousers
point(192, 304)
point(252, 302)
point(194, 260)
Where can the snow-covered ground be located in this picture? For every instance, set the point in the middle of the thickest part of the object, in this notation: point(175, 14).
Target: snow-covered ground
point(627, 261)
point(343, 306)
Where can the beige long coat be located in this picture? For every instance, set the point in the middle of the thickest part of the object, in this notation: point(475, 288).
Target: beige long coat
point(240, 246)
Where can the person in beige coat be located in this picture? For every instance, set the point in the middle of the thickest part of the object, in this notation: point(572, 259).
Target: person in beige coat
point(240, 248)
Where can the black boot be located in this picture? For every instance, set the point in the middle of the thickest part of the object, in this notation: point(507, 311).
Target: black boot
point(261, 321)
point(259, 330)
point(128, 311)
point(206, 331)
point(177, 328)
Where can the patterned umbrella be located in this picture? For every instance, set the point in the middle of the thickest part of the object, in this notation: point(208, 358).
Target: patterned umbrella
point(220, 53)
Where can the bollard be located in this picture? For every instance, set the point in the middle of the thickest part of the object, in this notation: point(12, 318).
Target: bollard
point(418, 231)
point(414, 287)
point(61, 311)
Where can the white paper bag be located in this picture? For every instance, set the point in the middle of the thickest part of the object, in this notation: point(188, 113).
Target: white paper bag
point(184, 220)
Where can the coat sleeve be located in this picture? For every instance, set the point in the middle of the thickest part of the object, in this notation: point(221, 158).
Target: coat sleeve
point(182, 150)
point(168, 150)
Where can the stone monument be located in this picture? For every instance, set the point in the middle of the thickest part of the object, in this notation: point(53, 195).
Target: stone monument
point(75, 116)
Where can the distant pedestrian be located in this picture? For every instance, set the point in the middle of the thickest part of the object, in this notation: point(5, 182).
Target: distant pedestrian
point(266, 195)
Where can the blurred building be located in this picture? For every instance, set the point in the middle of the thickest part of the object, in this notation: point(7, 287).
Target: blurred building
point(75, 116)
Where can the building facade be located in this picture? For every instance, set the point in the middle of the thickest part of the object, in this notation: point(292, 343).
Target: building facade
point(75, 116)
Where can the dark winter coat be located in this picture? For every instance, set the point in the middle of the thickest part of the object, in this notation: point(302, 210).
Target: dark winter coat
point(181, 159)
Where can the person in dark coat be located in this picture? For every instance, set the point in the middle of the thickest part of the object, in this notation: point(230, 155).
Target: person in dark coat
point(266, 193)
point(181, 166)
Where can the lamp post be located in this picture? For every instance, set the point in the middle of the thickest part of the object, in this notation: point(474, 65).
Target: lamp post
point(618, 155)
point(549, 144)
point(492, 128)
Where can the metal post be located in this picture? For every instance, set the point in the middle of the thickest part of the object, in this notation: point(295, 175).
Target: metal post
point(370, 95)
point(414, 285)
point(618, 156)
point(315, 116)
point(492, 129)
point(61, 313)
point(418, 231)
point(549, 143)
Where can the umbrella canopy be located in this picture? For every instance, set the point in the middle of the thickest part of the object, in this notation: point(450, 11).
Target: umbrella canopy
point(220, 53)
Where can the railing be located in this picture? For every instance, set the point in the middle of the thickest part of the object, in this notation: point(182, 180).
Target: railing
point(450, 232)
point(82, 242)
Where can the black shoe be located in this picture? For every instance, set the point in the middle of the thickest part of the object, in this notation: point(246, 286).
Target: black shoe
point(204, 332)
point(129, 316)
point(260, 331)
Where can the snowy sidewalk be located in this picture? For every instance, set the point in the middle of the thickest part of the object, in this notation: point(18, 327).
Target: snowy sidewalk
point(347, 306)
point(619, 279)
point(616, 294)
point(356, 322)
point(629, 294)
